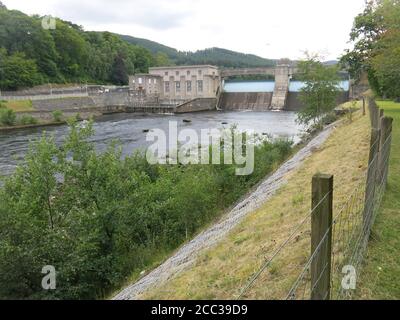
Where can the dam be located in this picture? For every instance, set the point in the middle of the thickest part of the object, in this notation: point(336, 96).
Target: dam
point(258, 95)
point(206, 87)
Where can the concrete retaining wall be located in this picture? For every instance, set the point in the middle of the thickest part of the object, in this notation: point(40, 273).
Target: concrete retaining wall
point(256, 101)
point(293, 102)
point(63, 104)
point(261, 101)
point(200, 104)
point(43, 96)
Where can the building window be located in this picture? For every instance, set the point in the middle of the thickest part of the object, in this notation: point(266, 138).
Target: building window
point(166, 73)
point(155, 81)
point(200, 72)
point(200, 85)
point(140, 80)
point(177, 73)
point(149, 81)
point(177, 86)
point(188, 72)
point(188, 86)
point(167, 86)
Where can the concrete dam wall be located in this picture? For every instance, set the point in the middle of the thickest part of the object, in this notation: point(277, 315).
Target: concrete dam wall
point(261, 101)
point(256, 101)
point(293, 102)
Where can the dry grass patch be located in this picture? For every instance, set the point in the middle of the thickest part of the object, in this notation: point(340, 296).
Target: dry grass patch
point(20, 105)
point(221, 272)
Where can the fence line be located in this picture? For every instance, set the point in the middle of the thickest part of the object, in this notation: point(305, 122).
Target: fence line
point(338, 242)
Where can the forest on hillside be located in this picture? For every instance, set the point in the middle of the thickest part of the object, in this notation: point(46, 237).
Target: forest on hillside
point(214, 56)
point(31, 55)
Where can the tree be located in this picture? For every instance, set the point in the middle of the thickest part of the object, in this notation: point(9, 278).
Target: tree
point(161, 60)
point(16, 71)
point(320, 91)
point(119, 74)
point(376, 38)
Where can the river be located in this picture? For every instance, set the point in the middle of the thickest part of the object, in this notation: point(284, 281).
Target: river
point(128, 129)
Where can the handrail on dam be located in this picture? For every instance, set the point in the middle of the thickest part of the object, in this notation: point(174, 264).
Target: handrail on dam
point(253, 71)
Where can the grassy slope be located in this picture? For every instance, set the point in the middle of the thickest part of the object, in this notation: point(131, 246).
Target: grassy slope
point(220, 272)
point(381, 274)
point(20, 105)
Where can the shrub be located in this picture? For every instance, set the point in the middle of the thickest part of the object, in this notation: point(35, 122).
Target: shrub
point(26, 119)
point(7, 117)
point(57, 115)
point(109, 217)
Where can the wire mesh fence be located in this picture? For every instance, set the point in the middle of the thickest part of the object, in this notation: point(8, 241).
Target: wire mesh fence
point(339, 236)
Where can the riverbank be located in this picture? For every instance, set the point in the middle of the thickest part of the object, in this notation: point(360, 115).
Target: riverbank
point(381, 272)
point(222, 270)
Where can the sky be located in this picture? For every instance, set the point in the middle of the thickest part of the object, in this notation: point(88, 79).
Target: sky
point(268, 28)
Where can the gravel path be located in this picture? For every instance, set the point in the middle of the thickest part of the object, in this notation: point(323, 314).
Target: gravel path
point(187, 254)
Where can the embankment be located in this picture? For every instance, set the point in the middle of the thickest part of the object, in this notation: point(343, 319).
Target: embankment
point(218, 262)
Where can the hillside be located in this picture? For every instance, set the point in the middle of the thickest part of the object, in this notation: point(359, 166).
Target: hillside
point(214, 56)
point(31, 55)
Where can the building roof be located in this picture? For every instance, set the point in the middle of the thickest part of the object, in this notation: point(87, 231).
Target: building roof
point(145, 75)
point(184, 67)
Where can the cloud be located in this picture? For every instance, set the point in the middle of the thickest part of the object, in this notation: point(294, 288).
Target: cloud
point(155, 14)
point(289, 26)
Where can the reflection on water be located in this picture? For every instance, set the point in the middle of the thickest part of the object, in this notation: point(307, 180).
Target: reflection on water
point(128, 129)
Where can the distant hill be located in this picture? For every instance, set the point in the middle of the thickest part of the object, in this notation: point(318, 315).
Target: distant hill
point(331, 63)
point(214, 56)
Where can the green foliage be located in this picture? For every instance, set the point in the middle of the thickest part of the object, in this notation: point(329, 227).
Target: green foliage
point(31, 55)
point(119, 74)
point(214, 56)
point(17, 72)
point(320, 91)
point(26, 120)
point(376, 38)
point(98, 218)
point(57, 115)
point(7, 117)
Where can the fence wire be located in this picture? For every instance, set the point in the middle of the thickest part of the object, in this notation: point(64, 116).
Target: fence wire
point(347, 235)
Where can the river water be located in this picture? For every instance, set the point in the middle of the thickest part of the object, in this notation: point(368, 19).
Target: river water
point(128, 129)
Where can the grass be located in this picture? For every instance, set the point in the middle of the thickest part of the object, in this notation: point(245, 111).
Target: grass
point(19, 105)
point(220, 272)
point(381, 274)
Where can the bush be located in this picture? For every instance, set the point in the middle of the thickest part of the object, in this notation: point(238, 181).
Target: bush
point(109, 217)
point(329, 118)
point(57, 115)
point(26, 120)
point(7, 117)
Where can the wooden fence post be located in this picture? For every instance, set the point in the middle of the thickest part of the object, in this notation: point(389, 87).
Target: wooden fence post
point(363, 106)
point(372, 173)
point(384, 148)
point(321, 236)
